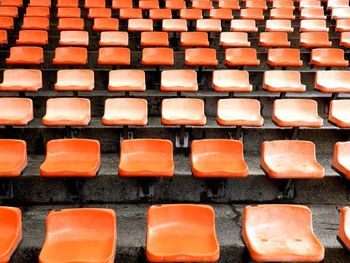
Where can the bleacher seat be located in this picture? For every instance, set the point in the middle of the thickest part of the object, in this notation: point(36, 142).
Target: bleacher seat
point(32, 37)
point(238, 57)
point(160, 14)
point(340, 159)
point(337, 4)
point(13, 155)
point(130, 13)
point(208, 25)
point(201, 57)
point(6, 23)
point(106, 24)
point(279, 25)
point(341, 13)
point(99, 12)
point(174, 25)
point(140, 25)
point(148, 4)
point(25, 55)
point(37, 11)
point(17, 3)
point(176, 4)
point(259, 4)
point(16, 111)
point(252, 13)
point(332, 81)
point(274, 39)
point(43, 3)
point(243, 25)
point(127, 80)
point(70, 56)
point(67, 3)
point(283, 81)
point(202, 4)
point(221, 13)
point(328, 57)
point(35, 23)
point(114, 38)
point(75, 80)
point(70, 23)
point(194, 39)
point(284, 57)
point(283, 4)
point(338, 113)
point(95, 3)
point(116, 56)
point(345, 39)
point(118, 4)
point(21, 80)
point(157, 56)
point(179, 80)
point(342, 25)
point(229, 4)
point(68, 12)
point(309, 4)
point(282, 13)
point(154, 39)
point(231, 81)
point(3, 37)
point(74, 38)
point(10, 11)
point(314, 40)
point(344, 223)
point(190, 14)
point(312, 13)
point(234, 39)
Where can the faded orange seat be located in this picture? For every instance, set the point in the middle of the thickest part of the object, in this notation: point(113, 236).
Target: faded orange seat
point(338, 113)
point(190, 14)
point(71, 158)
point(67, 3)
point(154, 39)
point(174, 25)
point(290, 159)
point(221, 13)
point(218, 158)
point(140, 25)
point(146, 158)
point(17, 3)
point(179, 80)
point(313, 25)
point(25, 56)
point(175, 4)
point(125, 111)
point(280, 233)
point(161, 56)
point(274, 39)
point(127, 80)
point(279, 25)
point(10, 11)
point(75, 80)
point(44, 3)
point(259, 4)
point(183, 111)
point(130, 13)
point(6, 23)
point(99, 12)
point(208, 25)
point(95, 3)
point(296, 113)
point(312, 13)
point(35, 23)
point(118, 56)
point(67, 112)
point(195, 239)
point(11, 231)
point(80, 235)
point(282, 13)
point(309, 4)
point(118, 4)
point(106, 24)
point(239, 112)
point(341, 159)
point(243, 25)
point(337, 4)
point(328, 57)
point(16, 111)
point(37, 11)
point(13, 154)
point(3, 37)
point(68, 12)
point(202, 4)
point(341, 13)
point(114, 38)
point(32, 37)
point(342, 25)
point(344, 224)
point(201, 57)
point(21, 80)
point(70, 56)
point(332, 81)
point(231, 81)
point(345, 39)
point(238, 57)
point(284, 57)
point(74, 38)
point(148, 4)
point(283, 4)
point(70, 23)
point(314, 39)
point(229, 4)
point(160, 14)
point(252, 13)
point(194, 39)
point(283, 81)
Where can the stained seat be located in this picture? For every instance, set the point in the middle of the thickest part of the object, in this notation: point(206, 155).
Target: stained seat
point(243, 25)
point(194, 39)
point(13, 154)
point(32, 37)
point(274, 39)
point(75, 80)
point(283, 81)
point(181, 80)
point(106, 24)
point(341, 162)
point(344, 223)
point(279, 25)
point(279, 233)
point(116, 56)
point(201, 57)
point(127, 80)
point(16, 111)
point(290, 159)
point(70, 23)
point(284, 57)
point(74, 38)
point(70, 56)
point(157, 56)
point(71, 158)
point(238, 57)
point(332, 81)
point(21, 80)
point(25, 55)
point(114, 38)
point(231, 81)
point(234, 39)
point(328, 57)
point(35, 23)
point(154, 39)
point(313, 25)
point(314, 39)
point(338, 113)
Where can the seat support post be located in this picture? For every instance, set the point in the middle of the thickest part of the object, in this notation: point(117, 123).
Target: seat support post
point(286, 189)
point(283, 95)
point(146, 187)
point(231, 94)
point(6, 189)
point(239, 133)
point(215, 187)
point(75, 188)
point(295, 133)
point(181, 140)
point(69, 132)
point(126, 134)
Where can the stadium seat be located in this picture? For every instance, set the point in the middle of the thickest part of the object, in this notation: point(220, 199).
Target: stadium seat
point(114, 38)
point(337, 4)
point(195, 239)
point(11, 231)
point(130, 13)
point(21, 80)
point(95, 4)
point(201, 57)
point(296, 113)
point(71, 158)
point(175, 4)
point(125, 111)
point(160, 14)
point(229, 4)
point(154, 39)
point(13, 155)
point(70, 56)
point(239, 57)
point(267, 229)
point(341, 13)
point(148, 4)
point(106, 24)
point(190, 14)
point(332, 81)
point(231, 81)
point(140, 25)
point(345, 39)
point(99, 12)
point(3, 37)
point(17, 3)
point(35, 23)
point(284, 57)
point(115, 56)
point(283, 81)
point(309, 4)
point(32, 37)
point(127, 80)
point(328, 57)
point(70, 24)
point(25, 55)
point(157, 57)
point(234, 39)
point(174, 25)
point(80, 235)
point(43, 3)
point(146, 158)
point(68, 12)
point(16, 111)
point(282, 13)
point(118, 4)
point(338, 113)
point(202, 4)
point(181, 80)
point(74, 38)
point(239, 112)
point(243, 25)
point(279, 25)
point(6, 23)
point(208, 25)
point(342, 25)
point(274, 39)
point(340, 159)
point(290, 159)
point(344, 223)
point(221, 13)
point(283, 4)
point(252, 13)
point(194, 39)
point(313, 25)
point(10, 11)
point(258, 4)
point(67, 112)
point(75, 80)
point(312, 13)
point(314, 40)
point(67, 3)
point(37, 11)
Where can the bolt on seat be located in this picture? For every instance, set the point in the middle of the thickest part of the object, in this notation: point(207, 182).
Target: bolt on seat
point(75, 80)
point(21, 80)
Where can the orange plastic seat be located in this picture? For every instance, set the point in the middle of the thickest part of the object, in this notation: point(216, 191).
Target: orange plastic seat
point(25, 56)
point(181, 232)
point(67, 3)
point(341, 159)
point(314, 39)
point(35, 23)
point(201, 57)
point(148, 4)
point(70, 56)
point(243, 25)
point(32, 37)
point(16, 111)
point(74, 38)
point(345, 39)
point(290, 159)
point(154, 39)
point(332, 81)
point(313, 25)
point(6, 23)
point(229, 4)
point(296, 113)
point(259, 4)
point(114, 38)
point(344, 223)
point(70, 23)
point(127, 80)
point(106, 24)
point(312, 13)
point(75, 80)
point(283, 81)
point(71, 158)
point(202, 4)
point(190, 14)
point(13, 155)
point(275, 233)
point(309, 4)
point(125, 111)
point(21, 80)
point(3, 37)
point(238, 57)
point(328, 57)
point(194, 39)
point(234, 39)
point(221, 13)
point(174, 25)
point(68, 12)
point(118, 4)
point(231, 81)
point(37, 11)
point(183, 111)
point(146, 158)
point(43, 3)
point(17, 3)
point(99, 12)
point(10, 11)
point(11, 231)
point(279, 25)
point(239, 112)
point(274, 39)
point(208, 25)
point(117, 56)
point(95, 4)
point(341, 13)
point(140, 25)
point(337, 4)
point(342, 25)
point(283, 4)
point(179, 80)
point(338, 113)
point(160, 14)
point(67, 112)
point(157, 56)
point(130, 13)
point(284, 57)
point(252, 13)
point(175, 4)
point(80, 235)
point(282, 13)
